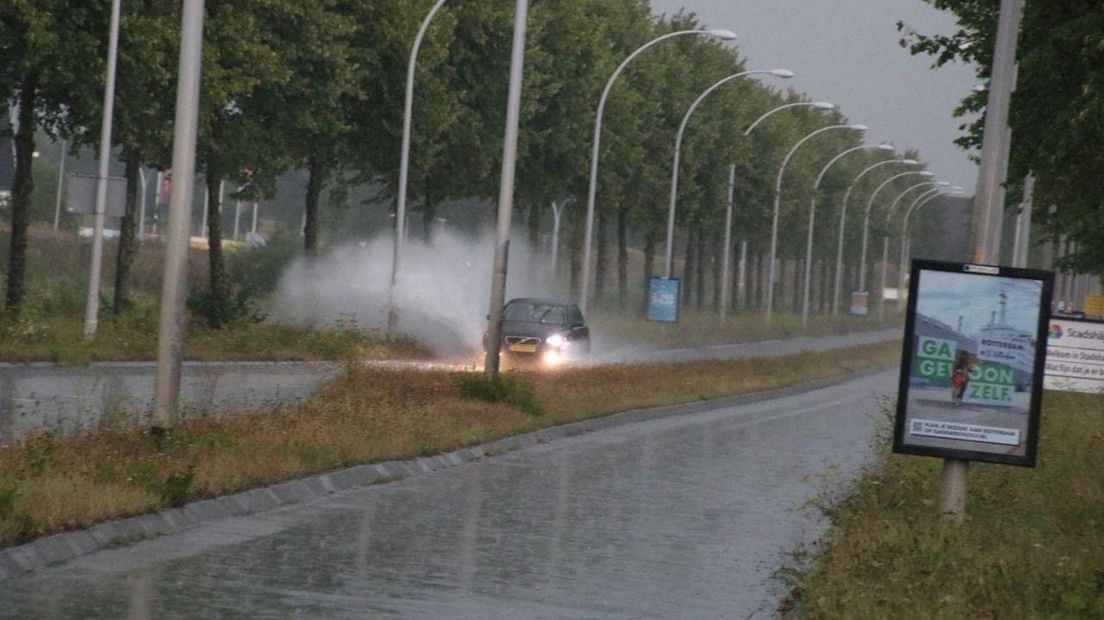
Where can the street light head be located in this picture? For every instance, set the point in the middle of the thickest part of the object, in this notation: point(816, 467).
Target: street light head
point(859, 127)
point(926, 174)
point(724, 35)
point(824, 105)
point(782, 73)
point(911, 162)
point(943, 183)
point(957, 188)
point(889, 148)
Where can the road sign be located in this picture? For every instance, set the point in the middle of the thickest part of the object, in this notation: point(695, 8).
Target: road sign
point(81, 195)
point(1075, 356)
point(663, 300)
point(972, 366)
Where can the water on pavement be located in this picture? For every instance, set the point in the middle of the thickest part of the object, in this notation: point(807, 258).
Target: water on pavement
point(685, 517)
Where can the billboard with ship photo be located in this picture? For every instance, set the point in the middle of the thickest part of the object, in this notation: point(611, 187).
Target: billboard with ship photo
point(972, 366)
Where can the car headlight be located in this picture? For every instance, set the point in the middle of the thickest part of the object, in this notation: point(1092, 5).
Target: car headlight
point(556, 340)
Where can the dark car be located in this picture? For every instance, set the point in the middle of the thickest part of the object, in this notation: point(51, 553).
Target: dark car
point(542, 330)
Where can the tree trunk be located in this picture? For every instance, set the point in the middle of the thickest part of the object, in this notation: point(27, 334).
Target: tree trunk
point(22, 189)
point(715, 263)
point(700, 269)
point(688, 269)
point(316, 179)
point(622, 256)
point(649, 260)
point(128, 238)
point(602, 258)
point(429, 212)
point(534, 236)
point(219, 279)
point(575, 249)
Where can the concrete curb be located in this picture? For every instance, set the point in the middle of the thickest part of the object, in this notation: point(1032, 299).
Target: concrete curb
point(60, 548)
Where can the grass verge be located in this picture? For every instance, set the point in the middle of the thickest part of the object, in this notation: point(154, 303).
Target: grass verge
point(133, 337)
point(1031, 546)
point(49, 485)
point(700, 328)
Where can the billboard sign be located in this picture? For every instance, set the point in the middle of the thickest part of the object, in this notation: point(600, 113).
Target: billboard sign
point(663, 300)
point(1075, 356)
point(80, 196)
point(860, 303)
point(972, 365)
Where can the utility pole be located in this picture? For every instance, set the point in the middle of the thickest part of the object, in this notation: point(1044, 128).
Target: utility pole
point(166, 386)
point(988, 212)
point(506, 190)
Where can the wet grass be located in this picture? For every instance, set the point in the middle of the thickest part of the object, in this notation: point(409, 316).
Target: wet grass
point(700, 328)
point(1031, 546)
point(49, 485)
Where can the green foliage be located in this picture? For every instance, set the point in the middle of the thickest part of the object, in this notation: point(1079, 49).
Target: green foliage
point(176, 490)
point(258, 269)
point(500, 388)
point(1055, 112)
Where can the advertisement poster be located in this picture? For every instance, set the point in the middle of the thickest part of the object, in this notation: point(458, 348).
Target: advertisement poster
point(860, 303)
point(1075, 356)
point(972, 366)
point(663, 300)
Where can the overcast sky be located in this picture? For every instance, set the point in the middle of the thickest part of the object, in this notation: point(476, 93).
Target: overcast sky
point(847, 52)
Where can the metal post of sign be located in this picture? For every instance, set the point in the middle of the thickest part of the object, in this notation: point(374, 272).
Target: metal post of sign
point(987, 213)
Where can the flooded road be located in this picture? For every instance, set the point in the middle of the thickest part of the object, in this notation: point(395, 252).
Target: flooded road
point(681, 517)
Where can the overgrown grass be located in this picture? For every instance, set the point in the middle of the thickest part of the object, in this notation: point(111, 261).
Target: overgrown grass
point(133, 337)
point(1031, 546)
point(47, 485)
point(700, 328)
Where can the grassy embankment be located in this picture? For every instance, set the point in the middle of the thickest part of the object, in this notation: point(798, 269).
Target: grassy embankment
point(50, 326)
point(49, 485)
point(1031, 546)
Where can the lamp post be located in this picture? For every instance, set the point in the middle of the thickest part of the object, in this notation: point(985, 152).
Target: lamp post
point(866, 217)
point(404, 164)
point(782, 73)
point(920, 201)
point(843, 222)
point(727, 251)
point(812, 220)
point(506, 189)
point(584, 291)
point(557, 214)
point(778, 204)
point(92, 303)
point(166, 385)
point(885, 237)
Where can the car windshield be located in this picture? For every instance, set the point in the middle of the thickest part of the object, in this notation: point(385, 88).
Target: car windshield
point(534, 312)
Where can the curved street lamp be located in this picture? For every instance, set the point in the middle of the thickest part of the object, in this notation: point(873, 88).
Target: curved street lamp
point(866, 217)
point(584, 291)
point(782, 73)
point(920, 201)
point(885, 237)
point(843, 222)
point(404, 164)
point(726, 258)
point(778, 204)
point(812, 219)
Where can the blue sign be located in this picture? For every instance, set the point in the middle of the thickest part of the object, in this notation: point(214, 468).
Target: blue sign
point(663, 300)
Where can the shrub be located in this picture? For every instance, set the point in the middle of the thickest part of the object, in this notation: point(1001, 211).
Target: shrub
point(500, 389)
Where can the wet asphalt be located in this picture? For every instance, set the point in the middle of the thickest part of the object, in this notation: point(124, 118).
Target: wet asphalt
point(682, 517)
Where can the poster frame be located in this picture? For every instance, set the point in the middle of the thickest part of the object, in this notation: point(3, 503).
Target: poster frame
point(1031, 441)
point(651, 314)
